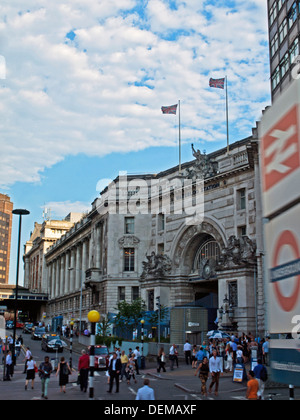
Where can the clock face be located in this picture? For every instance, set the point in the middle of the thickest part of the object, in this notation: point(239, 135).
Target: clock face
point(206, 271)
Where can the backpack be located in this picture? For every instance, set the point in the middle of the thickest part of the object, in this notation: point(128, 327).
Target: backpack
point(264, 374)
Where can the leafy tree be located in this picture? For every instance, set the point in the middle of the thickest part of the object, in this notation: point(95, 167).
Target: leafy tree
point(130, 314)
point(104, 326)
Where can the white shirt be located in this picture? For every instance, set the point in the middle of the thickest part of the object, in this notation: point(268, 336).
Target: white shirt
point(215, 364)
point(187, 347)
point(30, 364)
point(136, 354)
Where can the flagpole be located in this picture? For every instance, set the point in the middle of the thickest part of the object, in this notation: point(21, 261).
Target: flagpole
point(179, 138)
point(227, 119)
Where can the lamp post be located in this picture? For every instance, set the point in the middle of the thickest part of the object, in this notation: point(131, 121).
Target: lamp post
point(20, 213)
point(142, 335)
point(71, 344)
point(93, 317)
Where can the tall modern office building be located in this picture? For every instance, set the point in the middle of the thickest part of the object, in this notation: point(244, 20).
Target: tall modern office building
point(284, 30)
point(6, 208)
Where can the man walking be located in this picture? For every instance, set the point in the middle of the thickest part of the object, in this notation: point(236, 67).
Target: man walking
point(187, 352)
point(146, 393)
point(83, 369)
point(45, 370)
point(114, 370)
point(216, 369)
point(137, 355)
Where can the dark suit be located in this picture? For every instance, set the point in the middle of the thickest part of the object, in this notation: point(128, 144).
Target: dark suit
point(114, 370)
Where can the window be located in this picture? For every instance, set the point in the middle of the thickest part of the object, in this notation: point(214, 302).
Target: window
point(292, 15)
point(210, 250)
point(233, 294)
point(161, 222)
point(276, 78)
point(129, 225)
point(274, 45)
point(241, 199)
point(151, 300)
point(273, 13)
point(294, 50)
point(135, 293)
point(129, 259)
point(284, 64)
point(282, 31)
point(121, 293)
point(280, 4)
point(242, 231)
point(161, 249)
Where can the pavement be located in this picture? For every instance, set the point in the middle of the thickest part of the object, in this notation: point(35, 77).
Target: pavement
point(182, 378)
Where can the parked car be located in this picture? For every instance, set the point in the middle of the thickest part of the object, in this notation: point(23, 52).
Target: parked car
point(52, 342)
point(9, 325)
point(101, 357)
point(37, 333)
point(28, 327)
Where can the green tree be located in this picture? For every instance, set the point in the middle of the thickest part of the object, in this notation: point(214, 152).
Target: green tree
point(130, 314)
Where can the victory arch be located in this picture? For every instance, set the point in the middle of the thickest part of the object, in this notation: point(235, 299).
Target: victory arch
point(215, 272)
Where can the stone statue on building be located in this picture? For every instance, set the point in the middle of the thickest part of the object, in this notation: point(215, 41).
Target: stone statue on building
point(157, 265)
point(204, 166)
point(239, 252)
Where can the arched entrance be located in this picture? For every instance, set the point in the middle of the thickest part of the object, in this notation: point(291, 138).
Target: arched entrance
point(196, 255)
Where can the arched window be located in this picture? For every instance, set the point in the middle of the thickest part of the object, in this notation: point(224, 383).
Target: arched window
point(209, 250)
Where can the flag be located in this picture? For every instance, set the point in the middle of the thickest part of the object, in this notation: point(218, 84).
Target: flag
point(217, 83)
point(169, 109)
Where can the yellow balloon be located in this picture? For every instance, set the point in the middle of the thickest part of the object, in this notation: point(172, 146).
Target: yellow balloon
point(94, 316)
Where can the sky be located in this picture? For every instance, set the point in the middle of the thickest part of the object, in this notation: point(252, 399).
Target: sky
point(82, 83)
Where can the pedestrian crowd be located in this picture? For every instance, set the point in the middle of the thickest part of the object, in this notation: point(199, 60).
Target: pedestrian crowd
point(222, 355)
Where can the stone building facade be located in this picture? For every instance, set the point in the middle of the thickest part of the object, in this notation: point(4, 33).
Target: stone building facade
point(138, 242)
point(6, 208)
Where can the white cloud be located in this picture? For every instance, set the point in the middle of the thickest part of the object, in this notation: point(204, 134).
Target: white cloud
point(102, 91)
point(61, 209)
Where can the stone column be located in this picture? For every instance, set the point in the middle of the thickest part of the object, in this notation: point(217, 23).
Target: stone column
point(67, 273)
point(78, 267)
point(72, 272)
point(27, 272)
point(57, 278)
point(62, 275)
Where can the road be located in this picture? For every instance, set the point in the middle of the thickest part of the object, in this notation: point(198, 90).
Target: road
point(179, 385)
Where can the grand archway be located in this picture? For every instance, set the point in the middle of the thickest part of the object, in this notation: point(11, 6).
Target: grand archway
point(196, 256)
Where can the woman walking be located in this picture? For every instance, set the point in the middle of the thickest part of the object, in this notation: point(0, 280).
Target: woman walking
point(161, 360)
point(203, 370)
point(63, 371)
point(30, 372)
point(131, 370)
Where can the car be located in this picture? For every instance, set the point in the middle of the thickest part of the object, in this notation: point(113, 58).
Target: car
point(52, 342)
point(20, 324)
point(9, 325)
point(28, 327)
point(37, 333)
point(101, 357)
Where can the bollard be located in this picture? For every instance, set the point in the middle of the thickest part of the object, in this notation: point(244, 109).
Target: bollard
point(292, 392)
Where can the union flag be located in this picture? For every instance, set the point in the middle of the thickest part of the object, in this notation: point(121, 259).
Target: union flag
point(217, 83)
point(169, 109)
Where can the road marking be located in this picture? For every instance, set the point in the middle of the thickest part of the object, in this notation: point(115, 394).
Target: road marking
point(132, 390)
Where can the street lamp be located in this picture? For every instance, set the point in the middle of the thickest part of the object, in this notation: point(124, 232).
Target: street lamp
point(20, 213)
point(93, 317)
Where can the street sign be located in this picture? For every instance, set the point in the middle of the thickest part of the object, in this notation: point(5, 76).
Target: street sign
point(285, 361)
point(283, 256)
point(279, 133)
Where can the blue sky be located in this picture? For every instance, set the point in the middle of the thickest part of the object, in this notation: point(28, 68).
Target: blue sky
point(85, 81)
